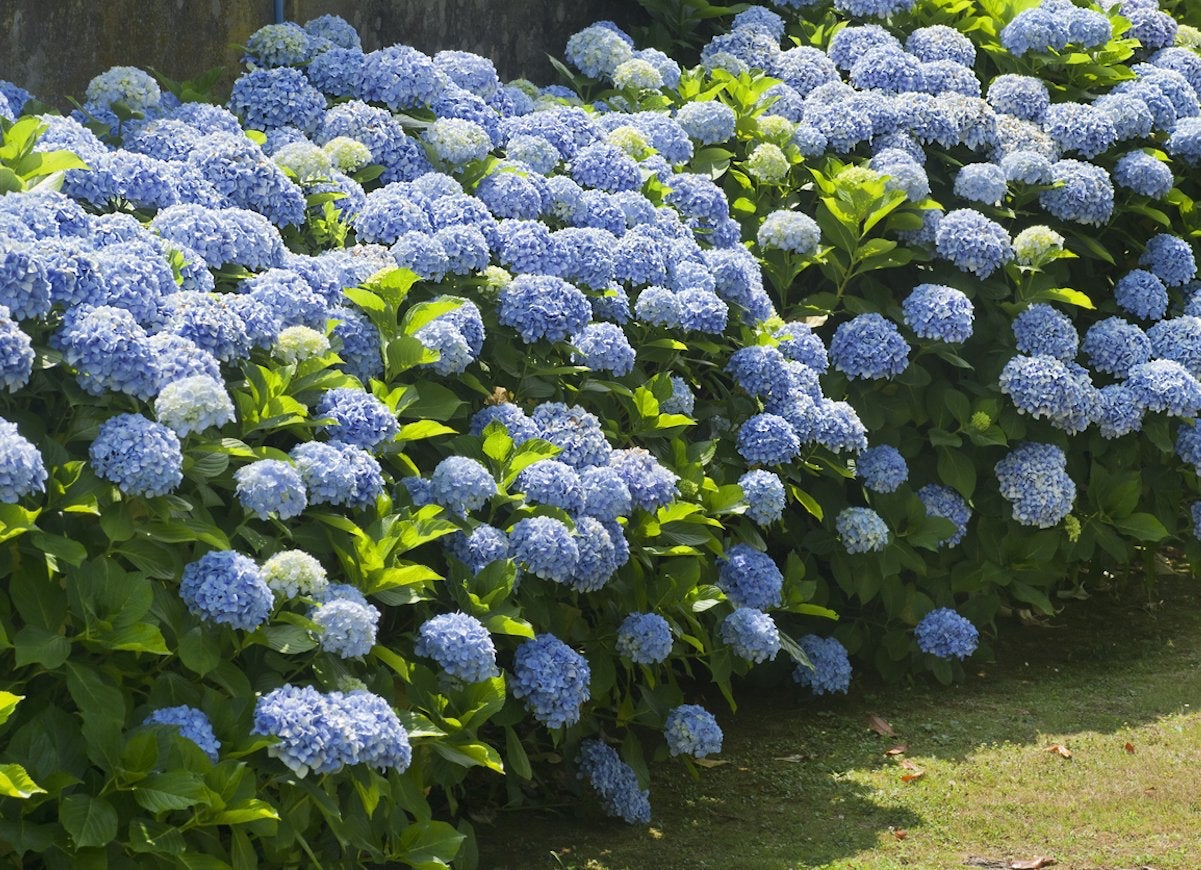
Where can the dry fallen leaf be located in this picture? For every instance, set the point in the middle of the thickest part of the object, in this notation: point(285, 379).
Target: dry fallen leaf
point(899, 749)
point(1033, 864)
point(795, 759)
point(1060, 750)
point(915, 772)
point(709, 762)
point(900, 833)
point(1130, 748)
point(881, 727)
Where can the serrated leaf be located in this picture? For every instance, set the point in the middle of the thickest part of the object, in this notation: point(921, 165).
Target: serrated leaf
point(173, 790)
point(15, 782)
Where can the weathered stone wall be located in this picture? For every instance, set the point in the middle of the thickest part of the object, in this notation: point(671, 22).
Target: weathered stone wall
point(53, 47)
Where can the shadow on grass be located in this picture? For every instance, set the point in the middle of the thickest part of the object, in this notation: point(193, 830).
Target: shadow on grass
point(801, 783)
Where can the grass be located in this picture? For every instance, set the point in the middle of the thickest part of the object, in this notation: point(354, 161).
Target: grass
point(806, 784)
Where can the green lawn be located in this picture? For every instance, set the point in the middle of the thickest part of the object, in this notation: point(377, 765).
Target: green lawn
point(805, 783)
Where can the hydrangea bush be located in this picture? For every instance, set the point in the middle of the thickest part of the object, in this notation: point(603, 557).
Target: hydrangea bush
point(388, 427)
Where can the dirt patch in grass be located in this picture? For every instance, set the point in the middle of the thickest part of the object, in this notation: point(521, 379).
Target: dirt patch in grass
point(805, 783)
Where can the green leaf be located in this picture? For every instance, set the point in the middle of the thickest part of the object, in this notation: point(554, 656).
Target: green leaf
point(8, 703)
point(15, 782)
point(288, 639)
point(1065, 295)
point(252, 810)
point(1142, 527)
point(198, 651)
point(154, 837)
point(173, 790)
point(423, 429)
point(471, 754)
point(957, 470)
point(429, 845)
point(403, 575)
point(15, 520)
point(141, 637)
point(515, 755)
point(37, 645)
point(499, 623)
point(90, 821)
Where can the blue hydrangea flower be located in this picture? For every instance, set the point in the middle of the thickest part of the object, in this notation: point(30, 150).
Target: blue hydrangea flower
point(763, 492)
point(942, 501)
point(542, 306)
point(359, 418)
point(944, 633)
point(690, 729)
point(681, 401)
point(938, 312)
point(553, 483)
point(767, 439)
point(750, 578)
point(400, 77)
point(268, 98)
point(604, 347)
point(1084, 193)
point(140, 456)
point(972, 242)
point(544, 547)
point(226, 587)
point(1120, 412)
point(1042, 386)
point(799, 342)
point(22, 470)
point(862, 530)
point(460, 645)
point(576, 433)
point(485, 545)
point(658, 306)
point(869, 346)
point(269, 487)
point(606, 495)
point(598, 555)
point(789, 231)
point(760, 370)
point(291, 573)
point(457, 141)
point(338, 474)
point(348, 628)
point(1195, 510)
point(707, 121)
point(1034, 479)
point(1179, 340)
point(873, 8)
point(981, 182)
point(1185, 140)
point(192, 724)
point(16, 354)
point(850, 42)
point(461, 485)
point(1170, 259)
point(1114, 346)
point(24, 285)
point(751, 635)
point(903, 173)
point(831, 671)
point(1165, 385)
point(1142, 294)
point(644, 638)
point(940, 42)
point(1027, 167)
point(552, 679)
point(597, 51)
point(614, 781)
point(1080, 127)
point(651, 485)
point(1042, 330)
point(1144, 174)
point(882, 468)
point(135, 88)
point(323, 733)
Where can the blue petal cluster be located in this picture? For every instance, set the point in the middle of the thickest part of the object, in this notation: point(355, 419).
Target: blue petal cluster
point(831, 671)
point(862, 530)
point(614, 781)
point(690, 729)
point(460, 645)
point(1034, 479)
point(226, 587)
point(192, 724)
point(552, 679)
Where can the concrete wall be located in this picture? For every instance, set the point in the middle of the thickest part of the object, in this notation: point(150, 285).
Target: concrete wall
point(53, 47)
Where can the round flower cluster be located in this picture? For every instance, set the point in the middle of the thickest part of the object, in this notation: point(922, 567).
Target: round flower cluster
point(140, 456)
point(22, 471)
point(545, 547)
point(325, 732)
point(869, 346)
point(614, 781)
point(1034, 478)
point(751, 634)
point(338, 474)
point(939, 312)
point(750, 578)
point(862, 530)
point(460, 645)
point(293, 573)
point(644, 638)
point(193, 404)
point(831, 671)
point(944, 633)
point(226, 587)
point(882, 469)
point(348, 628)
point(789, 231)
point(192, 724)
point(552, 679)
point(972, 242)
point(271, 487)
point(764, 494)
point(690, 729)
point(359, 418)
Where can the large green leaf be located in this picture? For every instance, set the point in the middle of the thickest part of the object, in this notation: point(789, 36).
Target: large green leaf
point(90, 821)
